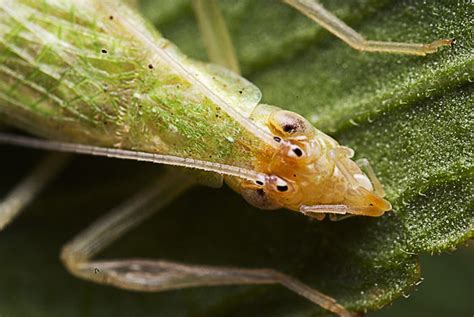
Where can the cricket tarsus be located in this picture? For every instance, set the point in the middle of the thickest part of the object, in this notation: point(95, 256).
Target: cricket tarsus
point(156, 275)
point(25, 191)
point(330, 22)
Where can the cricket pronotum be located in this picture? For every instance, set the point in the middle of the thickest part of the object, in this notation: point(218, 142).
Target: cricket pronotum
point(92, 77)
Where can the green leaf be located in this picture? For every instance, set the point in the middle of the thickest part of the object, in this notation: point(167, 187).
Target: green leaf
point(410, 116)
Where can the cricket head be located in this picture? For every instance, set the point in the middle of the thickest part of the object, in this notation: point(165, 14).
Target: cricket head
point(310, 172)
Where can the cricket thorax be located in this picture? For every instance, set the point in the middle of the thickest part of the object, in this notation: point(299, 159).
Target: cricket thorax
point(305, 170)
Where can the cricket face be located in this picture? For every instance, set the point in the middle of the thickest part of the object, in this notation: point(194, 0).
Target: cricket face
point(305, 171)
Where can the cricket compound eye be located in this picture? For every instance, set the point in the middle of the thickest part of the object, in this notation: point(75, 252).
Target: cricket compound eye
point(290, 124)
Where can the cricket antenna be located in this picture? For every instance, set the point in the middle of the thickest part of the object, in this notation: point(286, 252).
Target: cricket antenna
point(12, 139)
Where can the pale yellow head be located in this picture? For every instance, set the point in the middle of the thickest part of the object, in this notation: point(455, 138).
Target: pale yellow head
point(310, 171)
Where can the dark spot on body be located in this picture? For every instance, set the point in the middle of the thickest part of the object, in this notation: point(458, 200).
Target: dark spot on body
point(150, 66)
point(111, 17)
point(241, 92)
point(283, 188)
point(260, 192)
point(104, 51)
point(277, 139)
point(259, 183)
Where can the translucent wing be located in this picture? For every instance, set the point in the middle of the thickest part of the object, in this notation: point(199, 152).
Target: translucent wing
point(233, 88)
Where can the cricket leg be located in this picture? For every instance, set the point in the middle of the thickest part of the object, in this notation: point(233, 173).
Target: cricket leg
point(315, 211)
point(330, 22)
point(215, 34)
point(157, 275)
point(24, 192)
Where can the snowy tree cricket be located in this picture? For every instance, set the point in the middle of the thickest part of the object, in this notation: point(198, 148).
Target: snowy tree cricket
point(92, 77)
